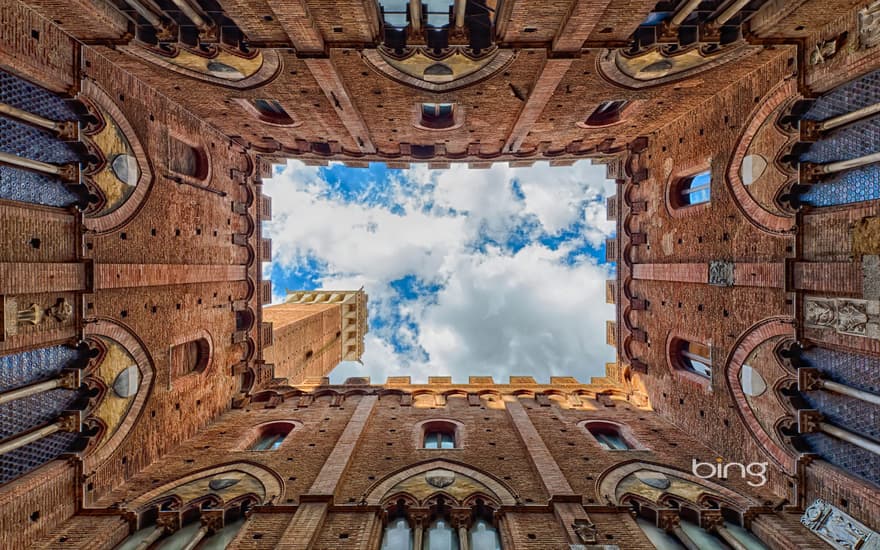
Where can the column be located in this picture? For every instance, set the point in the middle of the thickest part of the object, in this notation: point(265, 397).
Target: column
point(812, 421)
point(70, 421)
point(68, 379)
point(810, 379)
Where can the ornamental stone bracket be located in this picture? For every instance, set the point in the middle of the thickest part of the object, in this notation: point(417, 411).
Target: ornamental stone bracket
point(844, 315)
point(809, 421)
point(11, 317)
point(869, 26)
point(838, 528)
point(721, 273)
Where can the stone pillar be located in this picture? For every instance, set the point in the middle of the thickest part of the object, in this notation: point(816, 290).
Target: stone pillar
point(305, 526)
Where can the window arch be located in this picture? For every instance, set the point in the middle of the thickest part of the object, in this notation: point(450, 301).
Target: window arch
point(187, 160)
point(190, 357)
point(437, 116)
point(436, 524)
point(691, 357)
point(692, 190)
point(271, 436)
point(607, 113)
point(611, 436)
point(439, 434)
point(270, 111)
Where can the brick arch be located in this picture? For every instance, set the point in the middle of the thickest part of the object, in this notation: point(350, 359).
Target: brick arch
point(759, 216)
point(271, 481)
point(376, 495)
point(138, 352)
point(127, 210)
point(458, 428)
point(753, 337)
point(269, 70)
point(607, 482)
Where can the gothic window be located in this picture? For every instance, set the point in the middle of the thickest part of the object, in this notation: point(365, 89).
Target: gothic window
point(437, 116)
point(398, 534)
point(692, 357)
point(483, 536)
point(271, 112)
point(187, 160)
point(271, 436)
point(440, 536)
point(692, 190)
point(609, 436)
point(395, 13)
point(190, 357)
point(608, 112)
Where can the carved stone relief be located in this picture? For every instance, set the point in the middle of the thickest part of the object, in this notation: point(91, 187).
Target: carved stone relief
point(846, 316)
point(12, 315)
point(721, 273)
point(869, 26)
point(838, 528)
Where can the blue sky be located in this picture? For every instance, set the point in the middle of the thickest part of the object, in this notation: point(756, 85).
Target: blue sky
point(491, 272)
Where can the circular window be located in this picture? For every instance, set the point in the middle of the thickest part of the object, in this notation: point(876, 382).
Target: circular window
point(127, 382)
point(752, 383)
point(752, 168)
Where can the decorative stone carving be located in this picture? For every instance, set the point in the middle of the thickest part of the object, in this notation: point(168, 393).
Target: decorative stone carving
point(440, 478)
point(8, 317)
point(869, 26)
point(809, 421)
point(721, 273)
point(212, 518)
point(585, 530)
point(846, 316)
point(61, 311)
point(809, 379)
point(169, 520)
point(827, 49)
point(838, 528)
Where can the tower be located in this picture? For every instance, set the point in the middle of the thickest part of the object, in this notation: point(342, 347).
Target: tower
point(312, 331)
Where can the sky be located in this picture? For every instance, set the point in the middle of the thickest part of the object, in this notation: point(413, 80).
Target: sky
point(469, 272)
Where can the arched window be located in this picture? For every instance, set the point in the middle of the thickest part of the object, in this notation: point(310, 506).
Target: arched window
point(398, 534)
point(440, 536)
point(692, 190)
point(692, 357)
point(271, 112)
point(609, 436)
point(483, 536)
point(437, 116)
point(271, 436)
point(190, 357)
point(608, 112)
point(187, 160)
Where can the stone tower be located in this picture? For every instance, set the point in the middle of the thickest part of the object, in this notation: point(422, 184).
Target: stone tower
point(312, 331)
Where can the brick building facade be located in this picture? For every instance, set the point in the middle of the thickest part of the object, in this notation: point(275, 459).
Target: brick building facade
point(149, 400)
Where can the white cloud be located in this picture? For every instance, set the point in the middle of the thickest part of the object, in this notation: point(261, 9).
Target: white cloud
point(499, 312)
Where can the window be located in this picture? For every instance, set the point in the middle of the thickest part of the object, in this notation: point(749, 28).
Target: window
point(440, 536)
point(693, 190)
point(483, 536)
point(190, 357)
point(271, 112)
point(608, 112)
point(608, 436)
point(439, 439)
point(438, 116)
point(186, 160)
point(271, 436)
point(395, 13)
point(398, 535)
point(438, 533)
point(693, 357)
